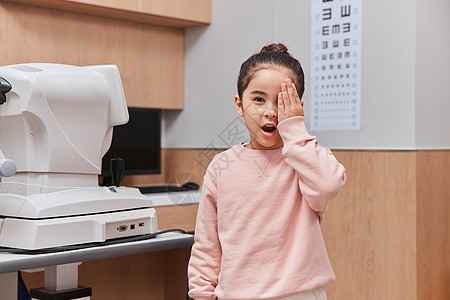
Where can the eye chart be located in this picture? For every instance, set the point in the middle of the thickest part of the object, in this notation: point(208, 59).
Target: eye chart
point(335, 64)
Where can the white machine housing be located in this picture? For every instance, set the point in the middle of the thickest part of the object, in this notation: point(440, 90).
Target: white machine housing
point(56, 125)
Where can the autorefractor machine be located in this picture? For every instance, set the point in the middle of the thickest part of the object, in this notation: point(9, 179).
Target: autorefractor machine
point(56, 123)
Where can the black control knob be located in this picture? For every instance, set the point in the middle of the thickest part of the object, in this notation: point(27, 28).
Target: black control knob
point(117, 166)
point(5, 87)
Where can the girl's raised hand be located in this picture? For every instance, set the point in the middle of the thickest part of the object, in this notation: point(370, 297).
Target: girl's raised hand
point(289, 103)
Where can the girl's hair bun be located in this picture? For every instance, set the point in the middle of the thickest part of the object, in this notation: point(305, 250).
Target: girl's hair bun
point(275, 54)
point(275, 48)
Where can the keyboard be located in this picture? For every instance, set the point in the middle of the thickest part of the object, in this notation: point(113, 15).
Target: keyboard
point(151, 189)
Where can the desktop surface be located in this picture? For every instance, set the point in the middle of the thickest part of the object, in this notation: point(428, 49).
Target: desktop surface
point(16, 262)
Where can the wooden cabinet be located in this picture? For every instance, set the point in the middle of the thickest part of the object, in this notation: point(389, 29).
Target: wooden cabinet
point(177, 216)
point(172, 13)
point(143, 38)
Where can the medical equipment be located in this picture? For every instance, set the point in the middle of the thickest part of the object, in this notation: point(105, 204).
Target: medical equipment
point(56, 123)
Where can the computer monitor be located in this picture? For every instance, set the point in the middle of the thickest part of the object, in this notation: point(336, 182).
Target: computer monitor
point(138, 143)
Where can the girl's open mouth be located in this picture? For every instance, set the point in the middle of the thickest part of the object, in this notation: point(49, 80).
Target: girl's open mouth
point(269, 130)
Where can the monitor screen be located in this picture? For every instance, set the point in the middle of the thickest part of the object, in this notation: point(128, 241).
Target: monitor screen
point(138, 143)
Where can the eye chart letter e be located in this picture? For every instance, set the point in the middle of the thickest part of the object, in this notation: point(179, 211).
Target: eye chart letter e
point(335, 64)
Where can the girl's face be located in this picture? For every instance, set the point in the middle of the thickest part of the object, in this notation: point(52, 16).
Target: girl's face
point(259, 107)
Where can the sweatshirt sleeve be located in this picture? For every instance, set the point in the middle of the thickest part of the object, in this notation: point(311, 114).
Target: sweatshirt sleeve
point(321, 176)
point(204, 264)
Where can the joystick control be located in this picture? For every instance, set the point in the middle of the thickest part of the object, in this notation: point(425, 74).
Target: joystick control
point(5, 87)
point(117, 167)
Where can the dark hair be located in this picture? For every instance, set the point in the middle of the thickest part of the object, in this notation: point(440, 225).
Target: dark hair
point(270, 55)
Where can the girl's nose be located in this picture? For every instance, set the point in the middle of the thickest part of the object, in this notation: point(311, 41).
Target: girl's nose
point(270, 111)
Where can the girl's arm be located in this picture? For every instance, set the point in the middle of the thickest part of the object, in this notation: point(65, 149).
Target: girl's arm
point(321, 176)
point(204, 264)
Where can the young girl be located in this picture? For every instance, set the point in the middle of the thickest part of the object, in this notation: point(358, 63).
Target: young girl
point(258, 225)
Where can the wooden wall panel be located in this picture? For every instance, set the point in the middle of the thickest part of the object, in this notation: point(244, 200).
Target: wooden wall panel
point(369, 229)
point(433, 224)
point(150, 58)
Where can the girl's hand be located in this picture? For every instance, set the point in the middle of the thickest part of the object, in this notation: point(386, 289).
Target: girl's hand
point(289, 103)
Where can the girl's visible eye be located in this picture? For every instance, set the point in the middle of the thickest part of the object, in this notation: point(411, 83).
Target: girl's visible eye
point(258, 99)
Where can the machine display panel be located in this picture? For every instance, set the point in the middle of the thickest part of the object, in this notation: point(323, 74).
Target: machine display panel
point(138, 143)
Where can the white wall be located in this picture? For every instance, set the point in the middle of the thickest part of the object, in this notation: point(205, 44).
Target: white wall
point(213, 56)
point(387, 79)
point(391, 68)
point(433, 75)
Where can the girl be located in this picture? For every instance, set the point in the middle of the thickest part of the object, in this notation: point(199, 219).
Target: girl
point(258, 225)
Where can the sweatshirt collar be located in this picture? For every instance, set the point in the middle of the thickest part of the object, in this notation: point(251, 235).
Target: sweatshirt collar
point(245, 152)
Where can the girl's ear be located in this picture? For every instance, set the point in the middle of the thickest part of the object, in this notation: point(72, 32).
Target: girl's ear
point(238, 103)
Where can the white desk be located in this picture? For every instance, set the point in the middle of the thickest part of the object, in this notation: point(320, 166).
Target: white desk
point(178, 198)
point(10, 264)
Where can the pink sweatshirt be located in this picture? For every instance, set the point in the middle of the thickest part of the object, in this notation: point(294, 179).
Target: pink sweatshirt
point(258, 230)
